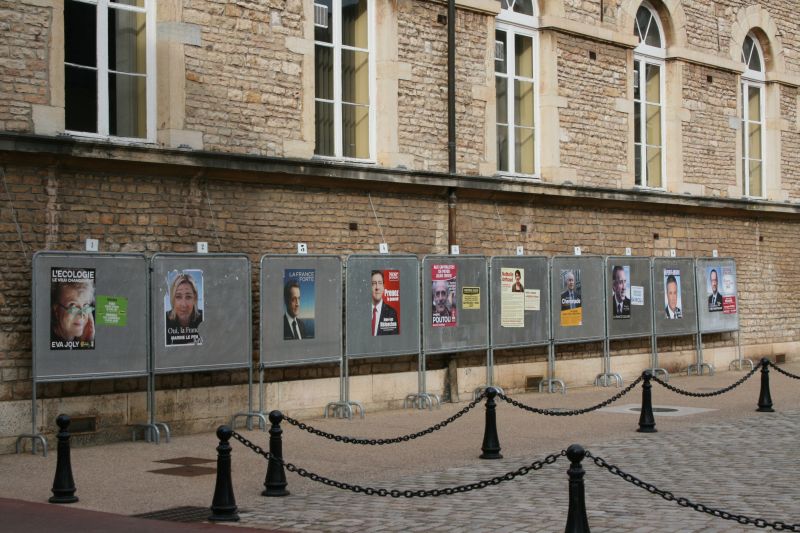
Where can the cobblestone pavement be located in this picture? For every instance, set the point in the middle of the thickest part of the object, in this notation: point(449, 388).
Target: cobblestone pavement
point(749, 466)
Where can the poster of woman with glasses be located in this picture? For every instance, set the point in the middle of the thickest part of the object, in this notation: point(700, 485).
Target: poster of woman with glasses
point(72, 305)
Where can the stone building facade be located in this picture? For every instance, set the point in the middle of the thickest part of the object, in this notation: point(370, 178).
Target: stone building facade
point(206, 121)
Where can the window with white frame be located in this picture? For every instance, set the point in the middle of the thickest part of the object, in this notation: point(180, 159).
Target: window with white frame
point(648, 99)
point(343, 81)
point(109, 68)
point(515, 84)
point(752, 118)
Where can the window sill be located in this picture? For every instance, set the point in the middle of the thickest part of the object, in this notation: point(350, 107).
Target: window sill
point(123, 141)
point(348, 160)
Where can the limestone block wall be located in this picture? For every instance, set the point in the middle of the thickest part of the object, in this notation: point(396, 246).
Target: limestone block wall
point(790, 142)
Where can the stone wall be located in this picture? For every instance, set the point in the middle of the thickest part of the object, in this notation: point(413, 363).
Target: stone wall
point(790, 142)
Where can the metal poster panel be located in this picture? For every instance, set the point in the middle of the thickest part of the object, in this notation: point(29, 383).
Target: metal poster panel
point(577, 298)
point(382, 305)
point(520, 300)
point(201, 312)
point(89, 315)
point(674, 304)
point(455, 306)
point(629, 297)
point(717, 295)
point(301, 309)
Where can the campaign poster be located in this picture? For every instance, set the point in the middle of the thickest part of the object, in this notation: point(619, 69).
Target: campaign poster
point(444, 312)
point(728, 289)
point(571, 301)
point(620, 292)
point(512, 298)
point(183, 306)
point(72, 308)
point(385, 291)
point(713, 278)
point(299, 303)
point(111, 311)
point(672, 294)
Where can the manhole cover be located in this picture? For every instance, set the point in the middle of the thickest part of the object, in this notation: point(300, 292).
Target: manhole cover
point(178, 514)
point(658, 409)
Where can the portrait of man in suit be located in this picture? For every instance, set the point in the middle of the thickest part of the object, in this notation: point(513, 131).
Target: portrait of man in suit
point(294, 328)
point(672, 310)
point(620, 303)
point(715, 298)
point(384, 316)
point(571, 297)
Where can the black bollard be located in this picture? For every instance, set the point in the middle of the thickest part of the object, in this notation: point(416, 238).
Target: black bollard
point(275, 482)
point(223, 506)
point(764, 397)
point(647, 422)
point(491, 443)
point(63, 484)
point(577, 522)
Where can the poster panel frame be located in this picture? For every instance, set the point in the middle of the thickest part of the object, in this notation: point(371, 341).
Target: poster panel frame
point(496, 263)
point(729, 322)
point(324, 291)
point(381, 346)
point(647, 289)
point(137, 354)
point(161, 355)
point(595, 304)
point(464, 336)
point(687, 325)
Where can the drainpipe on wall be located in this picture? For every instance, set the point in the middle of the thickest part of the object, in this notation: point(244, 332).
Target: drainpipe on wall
point(451, 85)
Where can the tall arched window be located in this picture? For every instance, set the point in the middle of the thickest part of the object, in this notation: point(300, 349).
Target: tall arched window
point(515, 86)
point(752, 118)
point(648, 98)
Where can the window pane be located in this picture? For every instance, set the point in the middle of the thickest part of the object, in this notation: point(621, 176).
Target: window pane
point(754, 141)
point(80, 33)
point(642, 20)
point(325, 34)
point(80, 99)
point(127, 41)
point(637, 122)
point(127, 109)
point(355, 131)
point(637, 80)
point(754, 104)
point(637, 156)
point(501, 64)
point(653, 125)
point(355, 77)
point(354, 23)
point(523, 150)
point(653, 166)
point(653, 83)
point(653, 37)
point(524, 7)
point(524, 56)
point(323, 72)
point(502, 147)
point(523, 103)
point(747, 50)
point(324, 128)
point(755, 178)
point(501, 90)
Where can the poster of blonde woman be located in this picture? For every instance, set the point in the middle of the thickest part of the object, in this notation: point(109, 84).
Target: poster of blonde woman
point(183, 305)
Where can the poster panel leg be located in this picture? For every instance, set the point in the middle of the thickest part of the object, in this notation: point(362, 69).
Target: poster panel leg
point(551, 382)
point(607, 376)
point(249, 414)
point(421, 399)
point(654, 368)
point(739, 362)
point(33, 435)
point(700, 364)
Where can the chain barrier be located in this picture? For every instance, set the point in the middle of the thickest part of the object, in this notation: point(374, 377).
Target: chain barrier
point(396, 493)
point(707, 394)
point(573, 412)
point(782, 371)
point(685, 502)
point(392, 440)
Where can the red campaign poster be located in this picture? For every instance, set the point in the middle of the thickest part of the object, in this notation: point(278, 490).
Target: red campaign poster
point(729, 305)
point(444, 310)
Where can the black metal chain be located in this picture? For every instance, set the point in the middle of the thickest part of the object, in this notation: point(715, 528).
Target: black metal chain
point(707, 394)
point(396, 493)
point(573, 412)
point(685, 502)
point(782, 371)
point(391, 440)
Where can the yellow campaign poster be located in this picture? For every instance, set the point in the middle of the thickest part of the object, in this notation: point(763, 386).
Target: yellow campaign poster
point(572, 317)
point(471, 298)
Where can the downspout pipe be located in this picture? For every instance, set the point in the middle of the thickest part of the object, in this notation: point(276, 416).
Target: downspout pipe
point(451, 85)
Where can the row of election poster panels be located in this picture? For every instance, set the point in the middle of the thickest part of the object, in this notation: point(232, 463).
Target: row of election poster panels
point(104, 315)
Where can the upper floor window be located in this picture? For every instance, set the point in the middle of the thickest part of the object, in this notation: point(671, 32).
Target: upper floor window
point(109, 68)
point(343, 80)
point(515, 84)
point(648, 99)
point(752, 114)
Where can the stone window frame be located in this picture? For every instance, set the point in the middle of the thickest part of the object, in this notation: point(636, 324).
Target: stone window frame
point(753, 79)
point(645, 55)
point(337, 99)
point(103, 6)
point(513, 24)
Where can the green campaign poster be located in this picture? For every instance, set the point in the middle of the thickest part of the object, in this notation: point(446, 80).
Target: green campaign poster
point(112, 310)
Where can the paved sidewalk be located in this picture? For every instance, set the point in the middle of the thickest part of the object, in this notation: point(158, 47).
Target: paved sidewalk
point(722, 454)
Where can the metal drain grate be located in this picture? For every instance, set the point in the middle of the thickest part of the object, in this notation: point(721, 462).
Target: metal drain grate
point(178, 514)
